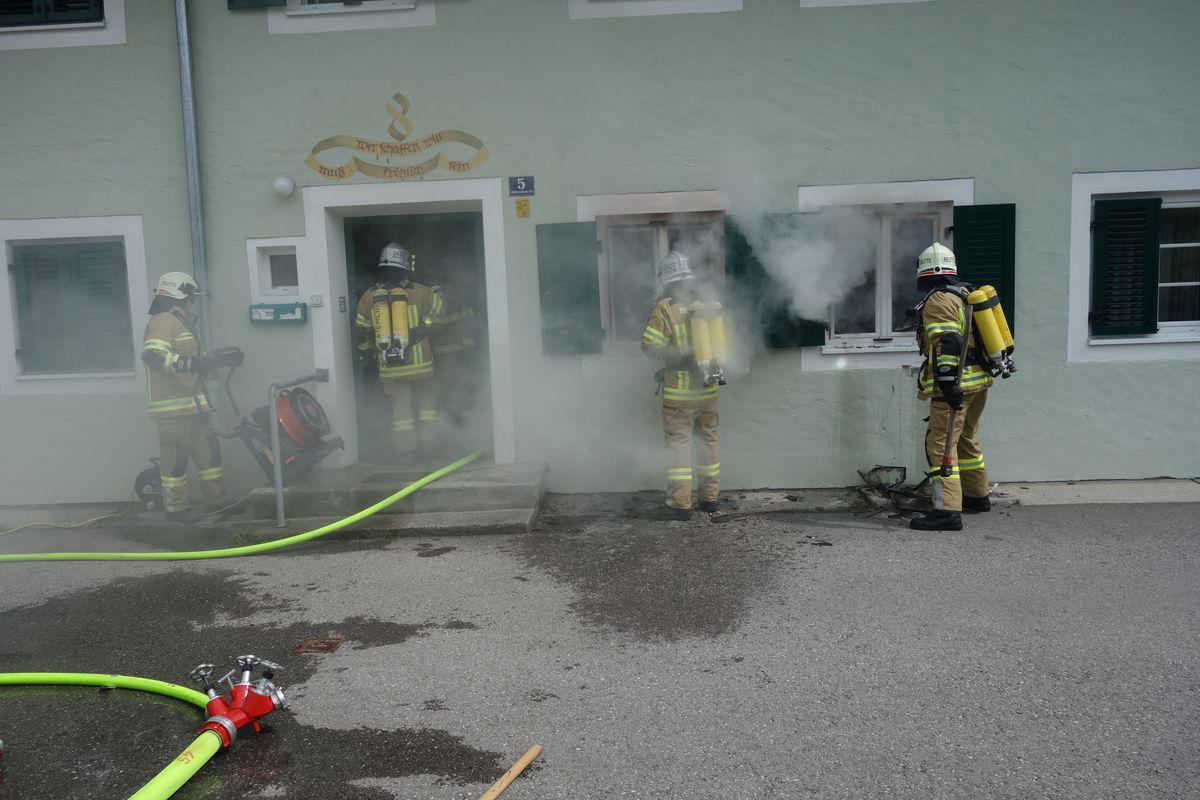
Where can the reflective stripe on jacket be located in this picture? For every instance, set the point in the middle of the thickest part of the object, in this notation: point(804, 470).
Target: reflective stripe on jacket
point(170, 393)
point(943, 312)
point(424, 307)
point(667, 338)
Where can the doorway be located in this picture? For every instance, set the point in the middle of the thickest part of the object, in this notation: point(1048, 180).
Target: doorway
point(448, 250)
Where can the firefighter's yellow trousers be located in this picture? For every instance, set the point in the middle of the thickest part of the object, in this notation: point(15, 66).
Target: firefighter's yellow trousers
point(181, 438)
point(968, 474)
point(414, 412)
point(682, 423)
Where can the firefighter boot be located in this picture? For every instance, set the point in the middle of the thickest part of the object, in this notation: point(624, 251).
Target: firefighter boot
point(938, 520)
point(707, 506)
point(976, 505)
point(185, 517)
point(671, 514)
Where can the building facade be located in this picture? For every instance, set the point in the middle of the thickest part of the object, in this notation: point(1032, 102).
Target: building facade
point(539, 156)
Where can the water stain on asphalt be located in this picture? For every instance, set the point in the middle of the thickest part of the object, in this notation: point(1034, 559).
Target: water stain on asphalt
point(433, 552)
point(657, 580)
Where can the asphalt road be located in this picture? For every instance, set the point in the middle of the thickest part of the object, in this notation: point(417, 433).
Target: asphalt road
point(1046, 652)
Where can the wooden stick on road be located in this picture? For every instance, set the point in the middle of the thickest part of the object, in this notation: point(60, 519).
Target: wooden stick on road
point(508, 777)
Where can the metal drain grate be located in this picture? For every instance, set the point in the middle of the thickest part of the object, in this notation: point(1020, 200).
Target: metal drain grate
point(319, 644)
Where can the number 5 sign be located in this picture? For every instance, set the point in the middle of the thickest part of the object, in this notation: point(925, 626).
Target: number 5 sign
point(521, 185)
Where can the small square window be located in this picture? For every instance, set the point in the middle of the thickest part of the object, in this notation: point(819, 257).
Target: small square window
point(283, 272)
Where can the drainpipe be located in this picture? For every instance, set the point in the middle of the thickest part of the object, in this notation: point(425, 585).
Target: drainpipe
point(192, 159)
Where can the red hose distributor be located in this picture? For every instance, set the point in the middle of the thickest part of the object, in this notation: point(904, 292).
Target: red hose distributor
point(249, 700)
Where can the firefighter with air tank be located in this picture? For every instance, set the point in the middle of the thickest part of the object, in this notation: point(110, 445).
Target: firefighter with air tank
point(966, 341)
point(394, 318)
point(686, 331)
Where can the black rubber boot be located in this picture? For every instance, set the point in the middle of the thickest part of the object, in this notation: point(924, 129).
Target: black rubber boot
point(938, 521)
point(187, 517)
point(977, 505)
point(670, 513)
point(707, 506)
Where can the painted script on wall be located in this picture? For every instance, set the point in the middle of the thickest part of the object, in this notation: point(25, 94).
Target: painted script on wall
point(383, 152)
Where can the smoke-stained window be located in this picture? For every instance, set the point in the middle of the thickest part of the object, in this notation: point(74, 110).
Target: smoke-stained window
point(631, 247)
point(887, 242)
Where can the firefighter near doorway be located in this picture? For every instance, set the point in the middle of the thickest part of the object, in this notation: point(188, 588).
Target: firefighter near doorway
point(394, 319)
point(967, 343)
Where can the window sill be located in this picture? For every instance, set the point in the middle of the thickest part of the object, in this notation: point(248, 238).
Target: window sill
point(843, 347)
point(319, 11)
point(1181, 336)
point(66, 26)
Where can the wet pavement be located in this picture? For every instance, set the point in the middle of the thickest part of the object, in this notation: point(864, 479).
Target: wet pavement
point(1045, 652)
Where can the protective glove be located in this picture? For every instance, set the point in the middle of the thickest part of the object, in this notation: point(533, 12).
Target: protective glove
point(197, 365)
point(953, 394)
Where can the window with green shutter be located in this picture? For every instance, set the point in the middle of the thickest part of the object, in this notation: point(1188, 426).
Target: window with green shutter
point(751, 287)
point(1125, 261)
point(72, 308)
point(50, 12)
point(569, 284)
point(985, 249)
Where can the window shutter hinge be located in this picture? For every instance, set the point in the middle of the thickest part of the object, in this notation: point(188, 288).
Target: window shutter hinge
point(948, 231)
point(599, 247)
point(12, 267)
point(1095, 224)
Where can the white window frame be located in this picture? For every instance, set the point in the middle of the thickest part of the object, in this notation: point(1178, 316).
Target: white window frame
point(608, 9)
point(29, 231)
point(890, 339)
point(77, 34)
point(858, 350)
point(1173, 340)
point(371, 15)
point(833, 3)
point(258, 262)
point(589, 207)
point(658, 224)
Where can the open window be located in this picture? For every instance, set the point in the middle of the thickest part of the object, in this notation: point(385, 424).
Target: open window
point(597, 279)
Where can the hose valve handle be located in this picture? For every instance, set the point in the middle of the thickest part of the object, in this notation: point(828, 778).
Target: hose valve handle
point(202, 675)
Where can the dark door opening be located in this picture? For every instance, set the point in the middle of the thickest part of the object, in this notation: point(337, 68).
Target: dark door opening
point(448, 250)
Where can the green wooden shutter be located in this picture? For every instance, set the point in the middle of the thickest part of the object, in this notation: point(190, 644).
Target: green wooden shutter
point(985, 247)
point(72, 308)
point(569, 284)
point(236, 4)
point(1125, 267)
point(755, 289)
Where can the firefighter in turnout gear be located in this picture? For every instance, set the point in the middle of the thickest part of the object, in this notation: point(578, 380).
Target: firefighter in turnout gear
point(685, 331)
point(394, 318)
point(956, 384)
point(177, 400)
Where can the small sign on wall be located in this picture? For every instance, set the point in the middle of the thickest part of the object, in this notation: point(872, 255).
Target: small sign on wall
point(522, 208)
point(279, 312)
point(520, 185)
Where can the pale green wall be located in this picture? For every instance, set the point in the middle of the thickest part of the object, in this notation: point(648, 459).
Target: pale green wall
point(1016, 95)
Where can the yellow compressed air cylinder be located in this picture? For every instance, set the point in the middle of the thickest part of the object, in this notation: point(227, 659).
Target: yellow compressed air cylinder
point(1001, 320)
point(399, 297)
point(381, 318)
point(985, 324)
point(701, 338)
point(716, 334)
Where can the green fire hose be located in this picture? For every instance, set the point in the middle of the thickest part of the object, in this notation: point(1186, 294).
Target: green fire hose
point(253, 549)
point(185, 765)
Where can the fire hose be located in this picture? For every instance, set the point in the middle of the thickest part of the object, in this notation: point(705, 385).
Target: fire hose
point(252, 549)
point(248, 702)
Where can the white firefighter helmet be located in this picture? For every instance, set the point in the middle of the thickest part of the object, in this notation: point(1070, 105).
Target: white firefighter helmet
point(397, 255)
point(937, 259)
point(674, 267)
point(177, 286)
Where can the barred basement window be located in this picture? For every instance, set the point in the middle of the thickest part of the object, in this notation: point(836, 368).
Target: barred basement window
point(72, 307)
point(14, 13)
